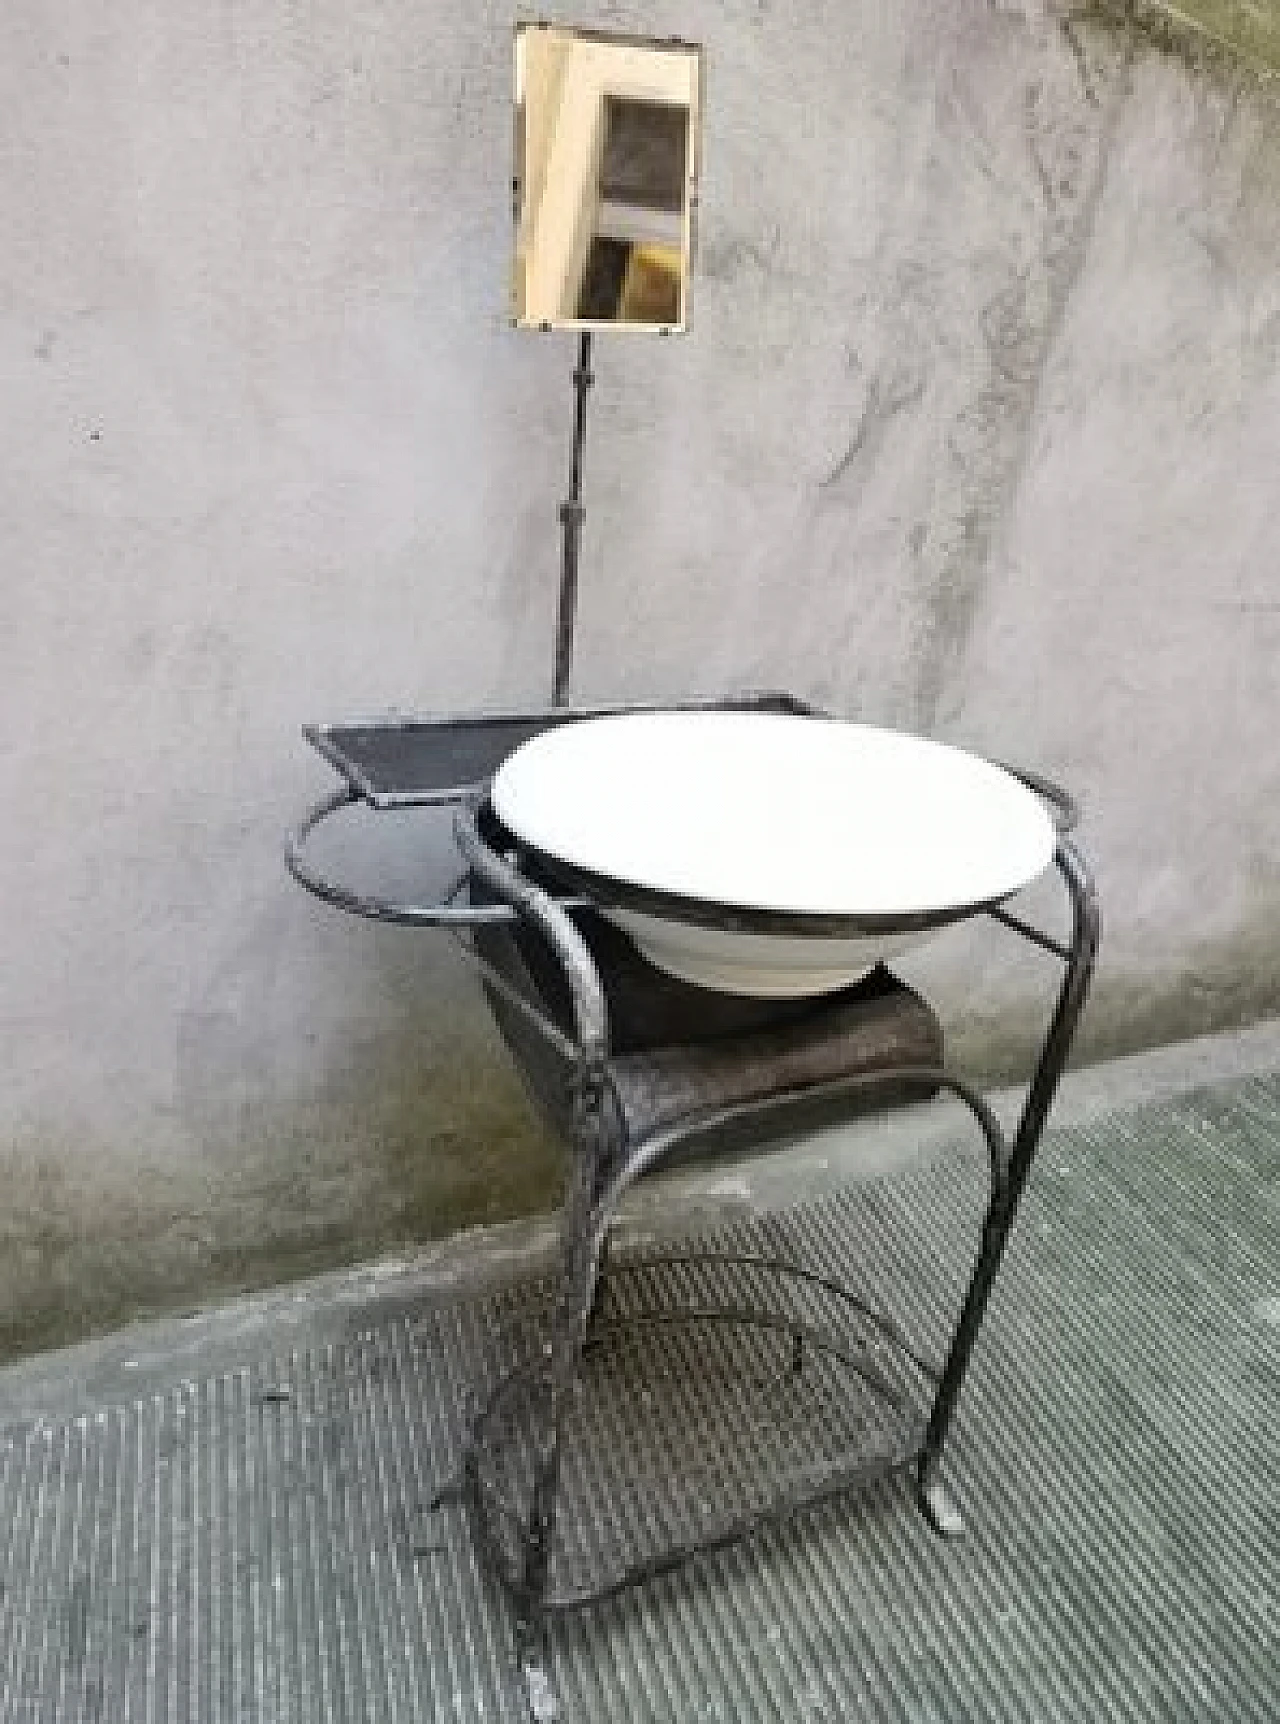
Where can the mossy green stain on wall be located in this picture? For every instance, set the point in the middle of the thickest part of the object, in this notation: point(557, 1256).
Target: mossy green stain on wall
point(1253, 29)
point(1249, 29)
point(94, 1236)
point(88, 1243)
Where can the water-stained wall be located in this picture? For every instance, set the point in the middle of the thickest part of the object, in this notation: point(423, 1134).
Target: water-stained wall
point(976, 433)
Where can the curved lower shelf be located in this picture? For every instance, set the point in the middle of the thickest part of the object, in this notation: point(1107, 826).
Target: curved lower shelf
point(752, 1393)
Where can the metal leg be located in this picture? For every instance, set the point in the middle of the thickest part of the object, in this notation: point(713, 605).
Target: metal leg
point(582, 1248)
point(796, 1366)
point(540, 1695)
point(939, 1509)
point(600, 1292)
point(568, 1338)
point(1008, 1190)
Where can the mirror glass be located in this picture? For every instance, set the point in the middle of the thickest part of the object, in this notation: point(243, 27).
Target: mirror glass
point(605, 177)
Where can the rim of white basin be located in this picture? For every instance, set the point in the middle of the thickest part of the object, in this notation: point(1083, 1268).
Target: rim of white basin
point(749, 819)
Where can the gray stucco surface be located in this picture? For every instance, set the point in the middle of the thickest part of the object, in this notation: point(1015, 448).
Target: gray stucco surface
point(976, 433)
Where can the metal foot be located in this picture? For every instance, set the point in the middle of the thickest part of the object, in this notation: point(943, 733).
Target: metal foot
point(939, 1509)
point(543, 1703)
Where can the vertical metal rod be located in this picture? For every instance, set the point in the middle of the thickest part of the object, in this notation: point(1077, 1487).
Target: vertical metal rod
point(571, 518)
point(1086, 929)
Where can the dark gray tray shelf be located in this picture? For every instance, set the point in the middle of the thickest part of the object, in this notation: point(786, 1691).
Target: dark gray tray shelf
point(414, 762)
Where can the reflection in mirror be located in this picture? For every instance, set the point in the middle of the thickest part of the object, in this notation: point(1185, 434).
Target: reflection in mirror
point(605, 171)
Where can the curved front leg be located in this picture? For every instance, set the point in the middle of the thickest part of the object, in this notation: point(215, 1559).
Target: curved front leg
point(593, 1143)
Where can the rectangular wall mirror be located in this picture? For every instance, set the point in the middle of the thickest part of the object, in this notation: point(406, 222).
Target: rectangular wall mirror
point(605, 176)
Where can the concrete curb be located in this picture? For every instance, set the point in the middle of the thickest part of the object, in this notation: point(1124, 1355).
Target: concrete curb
point(147, 1358)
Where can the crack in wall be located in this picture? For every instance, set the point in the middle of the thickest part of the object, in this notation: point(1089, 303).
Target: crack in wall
point(879, 410)
point(989, 442)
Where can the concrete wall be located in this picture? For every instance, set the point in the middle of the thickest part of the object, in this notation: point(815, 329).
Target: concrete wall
point(976, 433)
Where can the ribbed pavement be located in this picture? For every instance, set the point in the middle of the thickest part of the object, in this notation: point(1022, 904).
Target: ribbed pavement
point(256, 1547)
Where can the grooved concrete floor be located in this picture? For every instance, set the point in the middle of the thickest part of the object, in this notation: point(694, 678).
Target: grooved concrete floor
point(245, 1537)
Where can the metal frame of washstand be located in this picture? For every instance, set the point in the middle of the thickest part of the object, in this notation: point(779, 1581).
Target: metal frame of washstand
point(603, 1164)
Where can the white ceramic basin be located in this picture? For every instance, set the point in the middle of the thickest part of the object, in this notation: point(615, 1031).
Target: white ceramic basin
point(766, 854)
